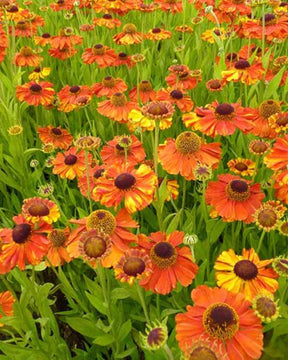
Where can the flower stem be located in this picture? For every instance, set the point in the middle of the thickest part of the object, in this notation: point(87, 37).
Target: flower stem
point(260, 242)
point(88, 181)
point(142, 301)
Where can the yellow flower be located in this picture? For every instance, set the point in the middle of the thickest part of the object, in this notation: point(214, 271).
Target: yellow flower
point(39, 73)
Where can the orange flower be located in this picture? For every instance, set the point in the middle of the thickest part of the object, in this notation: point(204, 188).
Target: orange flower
point(260, 118)
point(123, 59)
point(186, 152)
point(6, 304)
point(135, 187)
point(69, 95)
point(60, 138)
point(23, 29)
point(173, 6)
point(176, 97)
point(94, 173)
point(117, 108)
point(245, 274)
point(274, 27)
point(57, 253)
point(218, 119)
point(214, 85)
point(36, 94)
point(115, 226)
point(244, 72)
point(23, 244)
point(146, 92)
point(135, 264)
point(42, 40)
point(238, 7)
point(109, 86)
point(129, 36)
point(278, 157)
point(27, 57)
point(234, 198)
point(108, 21)
point(62, 54)
point(123, 149)
point(281, 186)
point(182, 77)
point(65, 39)
point(158, 34)
point(170, 262)
point(37, 209)
point(62, 5)
point(224, 319)
point(70, 164)
point(102, 55)
point(279, 122)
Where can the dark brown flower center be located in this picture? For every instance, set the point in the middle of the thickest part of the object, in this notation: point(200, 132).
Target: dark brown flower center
point(56, 131)
point(284, 228)
point(238, 190)
point(134, 266)
point(268, 108)
point(221, 321)
point(259, 147)
point(125, 181)
point(156, 108)
point(282, 120)
point(176, 94)
point(70, 159)
point(74, 89)
point(241, 166)
point(267, 218)
point(214, 84)
point(266, 307)
point(21, 232)
point(38, 210)
point(109, 82)
point(231, 57)
point(122, 56)
point(269, 18)
point(118, 99)
point(156, 30)
point(163, 254)
point(35, 88)
point(145, 85)
point(224, 109)
point(46, 36)
point(241, 64)
point(107, 16)
point(101, 220)
point(98, 173)
point(98, 49)
point(57, 237)
point(246, 270)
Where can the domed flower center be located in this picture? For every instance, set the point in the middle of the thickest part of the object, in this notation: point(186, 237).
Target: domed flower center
point(238, 190)
point(246, 270)
point(256, 49)
point(221, 321)
point(56, 131)
point(145, 86)
point(188, 143)
point(156, 30)
point(241, 166)
point(268, 108)
point(98, 49)
point(60, 2)
point(125, 181)
point(270, 19)
point(129, 29)
point(38, 210)
point(4, 3)
point(225, 111)
point(98, 173)
point(94, 246)
point(101, 220)
point(70, 159)
point(282, 120)
point(214, 84)
point(22, 25)
point(156, 337)
point(134, 266)
point(217, 32)
point(122, 56)
point(21, 232)
point(37, 69)
point(266, 307)
point(107, 16)
point(284, 228)
point(242, 64)
point(35, 88)
point(202, 352)
point(267, 218)
point(109, 82)
point(231, 57)
point(163, 254)
point(259, 147)
point(176, 94)
point(26, 51)
point(57, 237)
point(46, 36)
point(118, 99)
point(12, 9)
point(178, 69)
point(75, 89)
point(158, 109)
point(238, 1)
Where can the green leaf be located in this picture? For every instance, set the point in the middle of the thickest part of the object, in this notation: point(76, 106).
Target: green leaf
point(125, 330)
point(104, 340)
point(174, 223)
point(119, 294)
point(97, 303)
point(126, 353)
point(83, 326)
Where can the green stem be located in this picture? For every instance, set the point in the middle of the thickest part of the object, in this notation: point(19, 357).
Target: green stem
point(88, 181)
point(169, 352)
point(260, 242)
point(143, 303)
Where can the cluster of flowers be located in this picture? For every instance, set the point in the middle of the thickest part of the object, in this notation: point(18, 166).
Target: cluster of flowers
point(120, 175)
